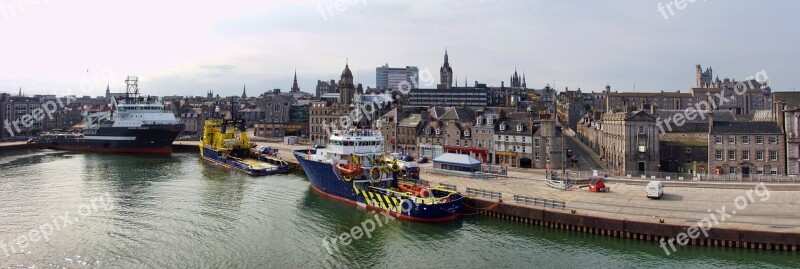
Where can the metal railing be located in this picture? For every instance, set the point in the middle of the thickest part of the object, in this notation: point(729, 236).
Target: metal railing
point(539, 202)
point(484, 193)
point(447, 186)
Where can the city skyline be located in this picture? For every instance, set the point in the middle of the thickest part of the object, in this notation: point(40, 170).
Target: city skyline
point(574, 44)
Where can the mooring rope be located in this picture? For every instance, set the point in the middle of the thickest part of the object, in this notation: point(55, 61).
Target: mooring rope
point(482, 210)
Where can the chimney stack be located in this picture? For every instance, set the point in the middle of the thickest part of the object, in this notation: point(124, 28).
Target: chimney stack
point(779, 118)
point(710, 120)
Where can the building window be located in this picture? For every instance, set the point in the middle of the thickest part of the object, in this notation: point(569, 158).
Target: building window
point(718, 139)
point(759, 155)
point(536, 142)
point(773, 155)
point(718, 155)
point(688, 150)
point(732, 170)
point(773, 171)
point(745, 139)
point(438, 131)
point(773, 139)
point(641, 129)
point(759, 139)
point(536, 156)
point(502, 127)
point(745, 155)
point(732, 139)
point(731, 155)
point(519, 128)
point(760, 171)
point(466, 133)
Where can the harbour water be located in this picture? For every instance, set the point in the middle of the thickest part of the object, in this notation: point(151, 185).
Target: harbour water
point(141, 211)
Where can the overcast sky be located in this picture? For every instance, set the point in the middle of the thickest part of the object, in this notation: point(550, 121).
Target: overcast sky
point(188, 48)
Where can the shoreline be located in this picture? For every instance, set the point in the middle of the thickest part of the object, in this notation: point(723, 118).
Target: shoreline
point(624, 212)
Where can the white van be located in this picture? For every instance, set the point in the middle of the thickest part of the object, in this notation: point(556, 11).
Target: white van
point(654, 189)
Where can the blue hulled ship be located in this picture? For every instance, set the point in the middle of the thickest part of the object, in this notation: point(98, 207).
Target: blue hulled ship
point(353, 168)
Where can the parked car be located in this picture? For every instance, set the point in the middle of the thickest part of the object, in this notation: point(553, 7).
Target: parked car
point(32, 141)
point(422, 160)
point(655, 189)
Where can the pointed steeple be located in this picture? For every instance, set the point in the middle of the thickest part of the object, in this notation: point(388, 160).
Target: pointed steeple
point(20, 90)
point(446, 72)
point(524, 84)
point(244, 91)
point(295, 87)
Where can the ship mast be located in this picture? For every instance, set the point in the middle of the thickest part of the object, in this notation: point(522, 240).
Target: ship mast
point(132, 90)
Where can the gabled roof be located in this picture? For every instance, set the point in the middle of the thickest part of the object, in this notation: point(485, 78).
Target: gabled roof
point(411, 121)
point(761, 115)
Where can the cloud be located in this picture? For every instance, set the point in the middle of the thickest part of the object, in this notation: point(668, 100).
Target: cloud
point(180, 49)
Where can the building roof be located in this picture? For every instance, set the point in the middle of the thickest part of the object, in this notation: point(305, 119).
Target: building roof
point(750, 127)
point(719, 115)
point(762, 115)
point(454, 158)
point(412, 120)
point(791, 99)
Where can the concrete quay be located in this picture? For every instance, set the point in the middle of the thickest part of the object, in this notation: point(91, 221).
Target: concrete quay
point(766, 217)
point(769, 219)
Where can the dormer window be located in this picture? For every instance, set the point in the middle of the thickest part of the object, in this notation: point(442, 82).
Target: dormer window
point(519, 128)
point(430, 131)
point(490, 120)
point(503, 126)
point(466, 133)
point(479, 120)
point(438, 131)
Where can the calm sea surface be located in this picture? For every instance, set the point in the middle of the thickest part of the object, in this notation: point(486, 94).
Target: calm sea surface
point(81, 210)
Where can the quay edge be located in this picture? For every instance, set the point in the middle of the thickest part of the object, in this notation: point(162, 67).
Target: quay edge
point(566, 220)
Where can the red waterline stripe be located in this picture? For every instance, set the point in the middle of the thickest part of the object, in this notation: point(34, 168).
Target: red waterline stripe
point(378, 209)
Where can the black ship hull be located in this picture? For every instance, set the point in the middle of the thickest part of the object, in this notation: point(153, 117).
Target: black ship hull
point(144, 139)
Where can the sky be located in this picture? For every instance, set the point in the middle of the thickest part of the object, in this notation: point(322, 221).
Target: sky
point(191, 47)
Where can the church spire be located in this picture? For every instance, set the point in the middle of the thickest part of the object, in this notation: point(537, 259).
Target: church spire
point(295, 87)
point(244, 91)
point(446, 72)
point(20, 90)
